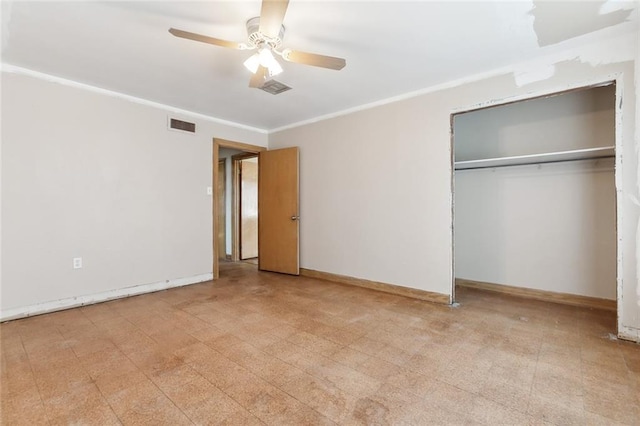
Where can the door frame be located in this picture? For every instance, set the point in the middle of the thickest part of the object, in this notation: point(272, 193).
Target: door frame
point(217, 144)
point(235, 202)
point(222, 163)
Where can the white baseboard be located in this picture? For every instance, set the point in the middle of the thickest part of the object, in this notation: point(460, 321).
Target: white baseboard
point(74, 302)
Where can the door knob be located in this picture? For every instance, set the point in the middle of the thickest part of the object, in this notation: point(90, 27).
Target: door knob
point(294, 217)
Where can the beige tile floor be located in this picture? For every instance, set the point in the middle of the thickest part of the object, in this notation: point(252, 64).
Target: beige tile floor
point(261, 348)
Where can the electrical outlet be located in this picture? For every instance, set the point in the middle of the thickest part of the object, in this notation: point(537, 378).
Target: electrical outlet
point(77, 262)
point(209, 190)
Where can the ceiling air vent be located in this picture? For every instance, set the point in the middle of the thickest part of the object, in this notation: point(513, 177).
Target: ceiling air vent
point(184, 126)
point(274, 87)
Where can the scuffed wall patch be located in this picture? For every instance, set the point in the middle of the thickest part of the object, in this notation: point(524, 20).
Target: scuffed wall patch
point(534, 73)
point(615, 50)
point(555, 22)
point(603, 54)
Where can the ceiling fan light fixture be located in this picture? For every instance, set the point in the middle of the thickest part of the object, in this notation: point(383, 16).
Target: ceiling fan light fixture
point(266, 59)
point(275, 68)
point(252, 63)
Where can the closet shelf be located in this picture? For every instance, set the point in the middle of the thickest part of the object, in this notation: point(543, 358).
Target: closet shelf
point(551, 157)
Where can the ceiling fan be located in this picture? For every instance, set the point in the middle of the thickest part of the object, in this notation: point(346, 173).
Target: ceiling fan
point(265, 35)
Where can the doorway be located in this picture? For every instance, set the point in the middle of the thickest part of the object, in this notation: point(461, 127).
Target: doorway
point(534, 199)
point(226, 249)
point(278, 203)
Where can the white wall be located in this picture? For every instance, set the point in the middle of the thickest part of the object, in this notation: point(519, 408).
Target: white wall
point(89, 175)
point(549, 227)
point(376, 184)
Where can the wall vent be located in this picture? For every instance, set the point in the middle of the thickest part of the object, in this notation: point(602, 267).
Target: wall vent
point(184, 126)
point(274, 87)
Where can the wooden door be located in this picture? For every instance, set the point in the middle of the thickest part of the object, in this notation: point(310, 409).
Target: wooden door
point(278, 230)
point(222, 208)
point(249, 208)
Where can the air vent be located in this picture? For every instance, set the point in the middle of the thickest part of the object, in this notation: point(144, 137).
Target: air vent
point(184, 126)
point(274, 87)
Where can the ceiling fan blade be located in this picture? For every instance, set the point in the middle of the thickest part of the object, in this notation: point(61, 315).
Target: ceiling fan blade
point(313, 59)
point(259, 78)
point(204, 39)
point(271, 16)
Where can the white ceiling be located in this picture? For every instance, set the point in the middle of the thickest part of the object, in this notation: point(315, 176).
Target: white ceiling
point(391, 48)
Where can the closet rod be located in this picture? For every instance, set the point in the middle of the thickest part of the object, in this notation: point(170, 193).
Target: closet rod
point(546, 157)
point(530, 163)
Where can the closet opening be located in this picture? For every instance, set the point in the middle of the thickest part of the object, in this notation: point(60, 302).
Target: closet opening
point(534, 198)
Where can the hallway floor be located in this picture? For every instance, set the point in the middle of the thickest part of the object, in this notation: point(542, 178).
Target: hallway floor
point(262, 348)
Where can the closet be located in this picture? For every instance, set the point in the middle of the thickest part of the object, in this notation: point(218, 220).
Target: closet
point(534, 194)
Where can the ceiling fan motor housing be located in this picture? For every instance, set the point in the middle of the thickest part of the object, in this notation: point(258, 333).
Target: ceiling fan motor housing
point(257, 39)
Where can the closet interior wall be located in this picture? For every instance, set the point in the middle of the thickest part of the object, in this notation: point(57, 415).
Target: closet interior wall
point(549, 226)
